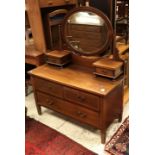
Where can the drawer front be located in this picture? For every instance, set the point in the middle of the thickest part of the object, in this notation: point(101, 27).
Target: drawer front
point(67, 108)
point(86, 99)
point(53, 60)
point(48, 87)
point(105, 72)
point(49, 101)
point(50, 3)
point(109, 73)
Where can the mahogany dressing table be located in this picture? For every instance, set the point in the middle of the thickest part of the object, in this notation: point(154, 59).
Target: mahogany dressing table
point(74, 90)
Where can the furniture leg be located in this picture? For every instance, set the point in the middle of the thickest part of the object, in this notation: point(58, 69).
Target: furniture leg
point(120, 117)
point(103, 136)
point(26, 89)
point(26, 118)
point(38, 109)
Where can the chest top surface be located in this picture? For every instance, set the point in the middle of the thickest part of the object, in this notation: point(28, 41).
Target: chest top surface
point(75, 77)
point(58, 53)
point(107, 63)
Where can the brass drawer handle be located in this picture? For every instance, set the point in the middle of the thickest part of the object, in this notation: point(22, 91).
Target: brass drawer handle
point(81, 98)
point(51, 102)
point(83, 115)
point(80, 114)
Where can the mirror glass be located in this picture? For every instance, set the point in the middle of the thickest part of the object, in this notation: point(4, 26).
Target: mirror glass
point(86, 32)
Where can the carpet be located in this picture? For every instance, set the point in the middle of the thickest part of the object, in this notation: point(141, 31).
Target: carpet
point(42, 140)
point(119, 143)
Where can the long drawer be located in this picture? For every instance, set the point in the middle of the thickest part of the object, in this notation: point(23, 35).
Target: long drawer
point(50, 3)
point(67, 108)
point(89, 100)
point(48, 87)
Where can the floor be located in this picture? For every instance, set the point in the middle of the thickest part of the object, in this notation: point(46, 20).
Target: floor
point(82, 134)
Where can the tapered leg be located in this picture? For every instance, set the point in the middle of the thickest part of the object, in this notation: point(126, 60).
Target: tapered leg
point(38, 109)
point(26, 89)
point(120, 117)
point(103, 136)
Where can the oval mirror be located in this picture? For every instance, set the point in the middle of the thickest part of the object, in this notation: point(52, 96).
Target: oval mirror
point(87, 31)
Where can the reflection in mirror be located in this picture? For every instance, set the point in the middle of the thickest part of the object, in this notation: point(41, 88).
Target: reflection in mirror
point(86, 32)
point(86, 18)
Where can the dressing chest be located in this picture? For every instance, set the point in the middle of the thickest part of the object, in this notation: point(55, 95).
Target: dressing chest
point(78, 94)
point(74, 90)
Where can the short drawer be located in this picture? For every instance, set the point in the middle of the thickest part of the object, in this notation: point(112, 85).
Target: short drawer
point(69, 109)
point(48, 87)
point(53, 60)
point(106, 72)
point(48, 3)
point(83, 114)
point(89, 100)
point(109, 73)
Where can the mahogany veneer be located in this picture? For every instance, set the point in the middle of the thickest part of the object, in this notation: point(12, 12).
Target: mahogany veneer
point(77, 93)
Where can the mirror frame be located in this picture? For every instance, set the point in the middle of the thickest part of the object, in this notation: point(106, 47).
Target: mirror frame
point(97, 12)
